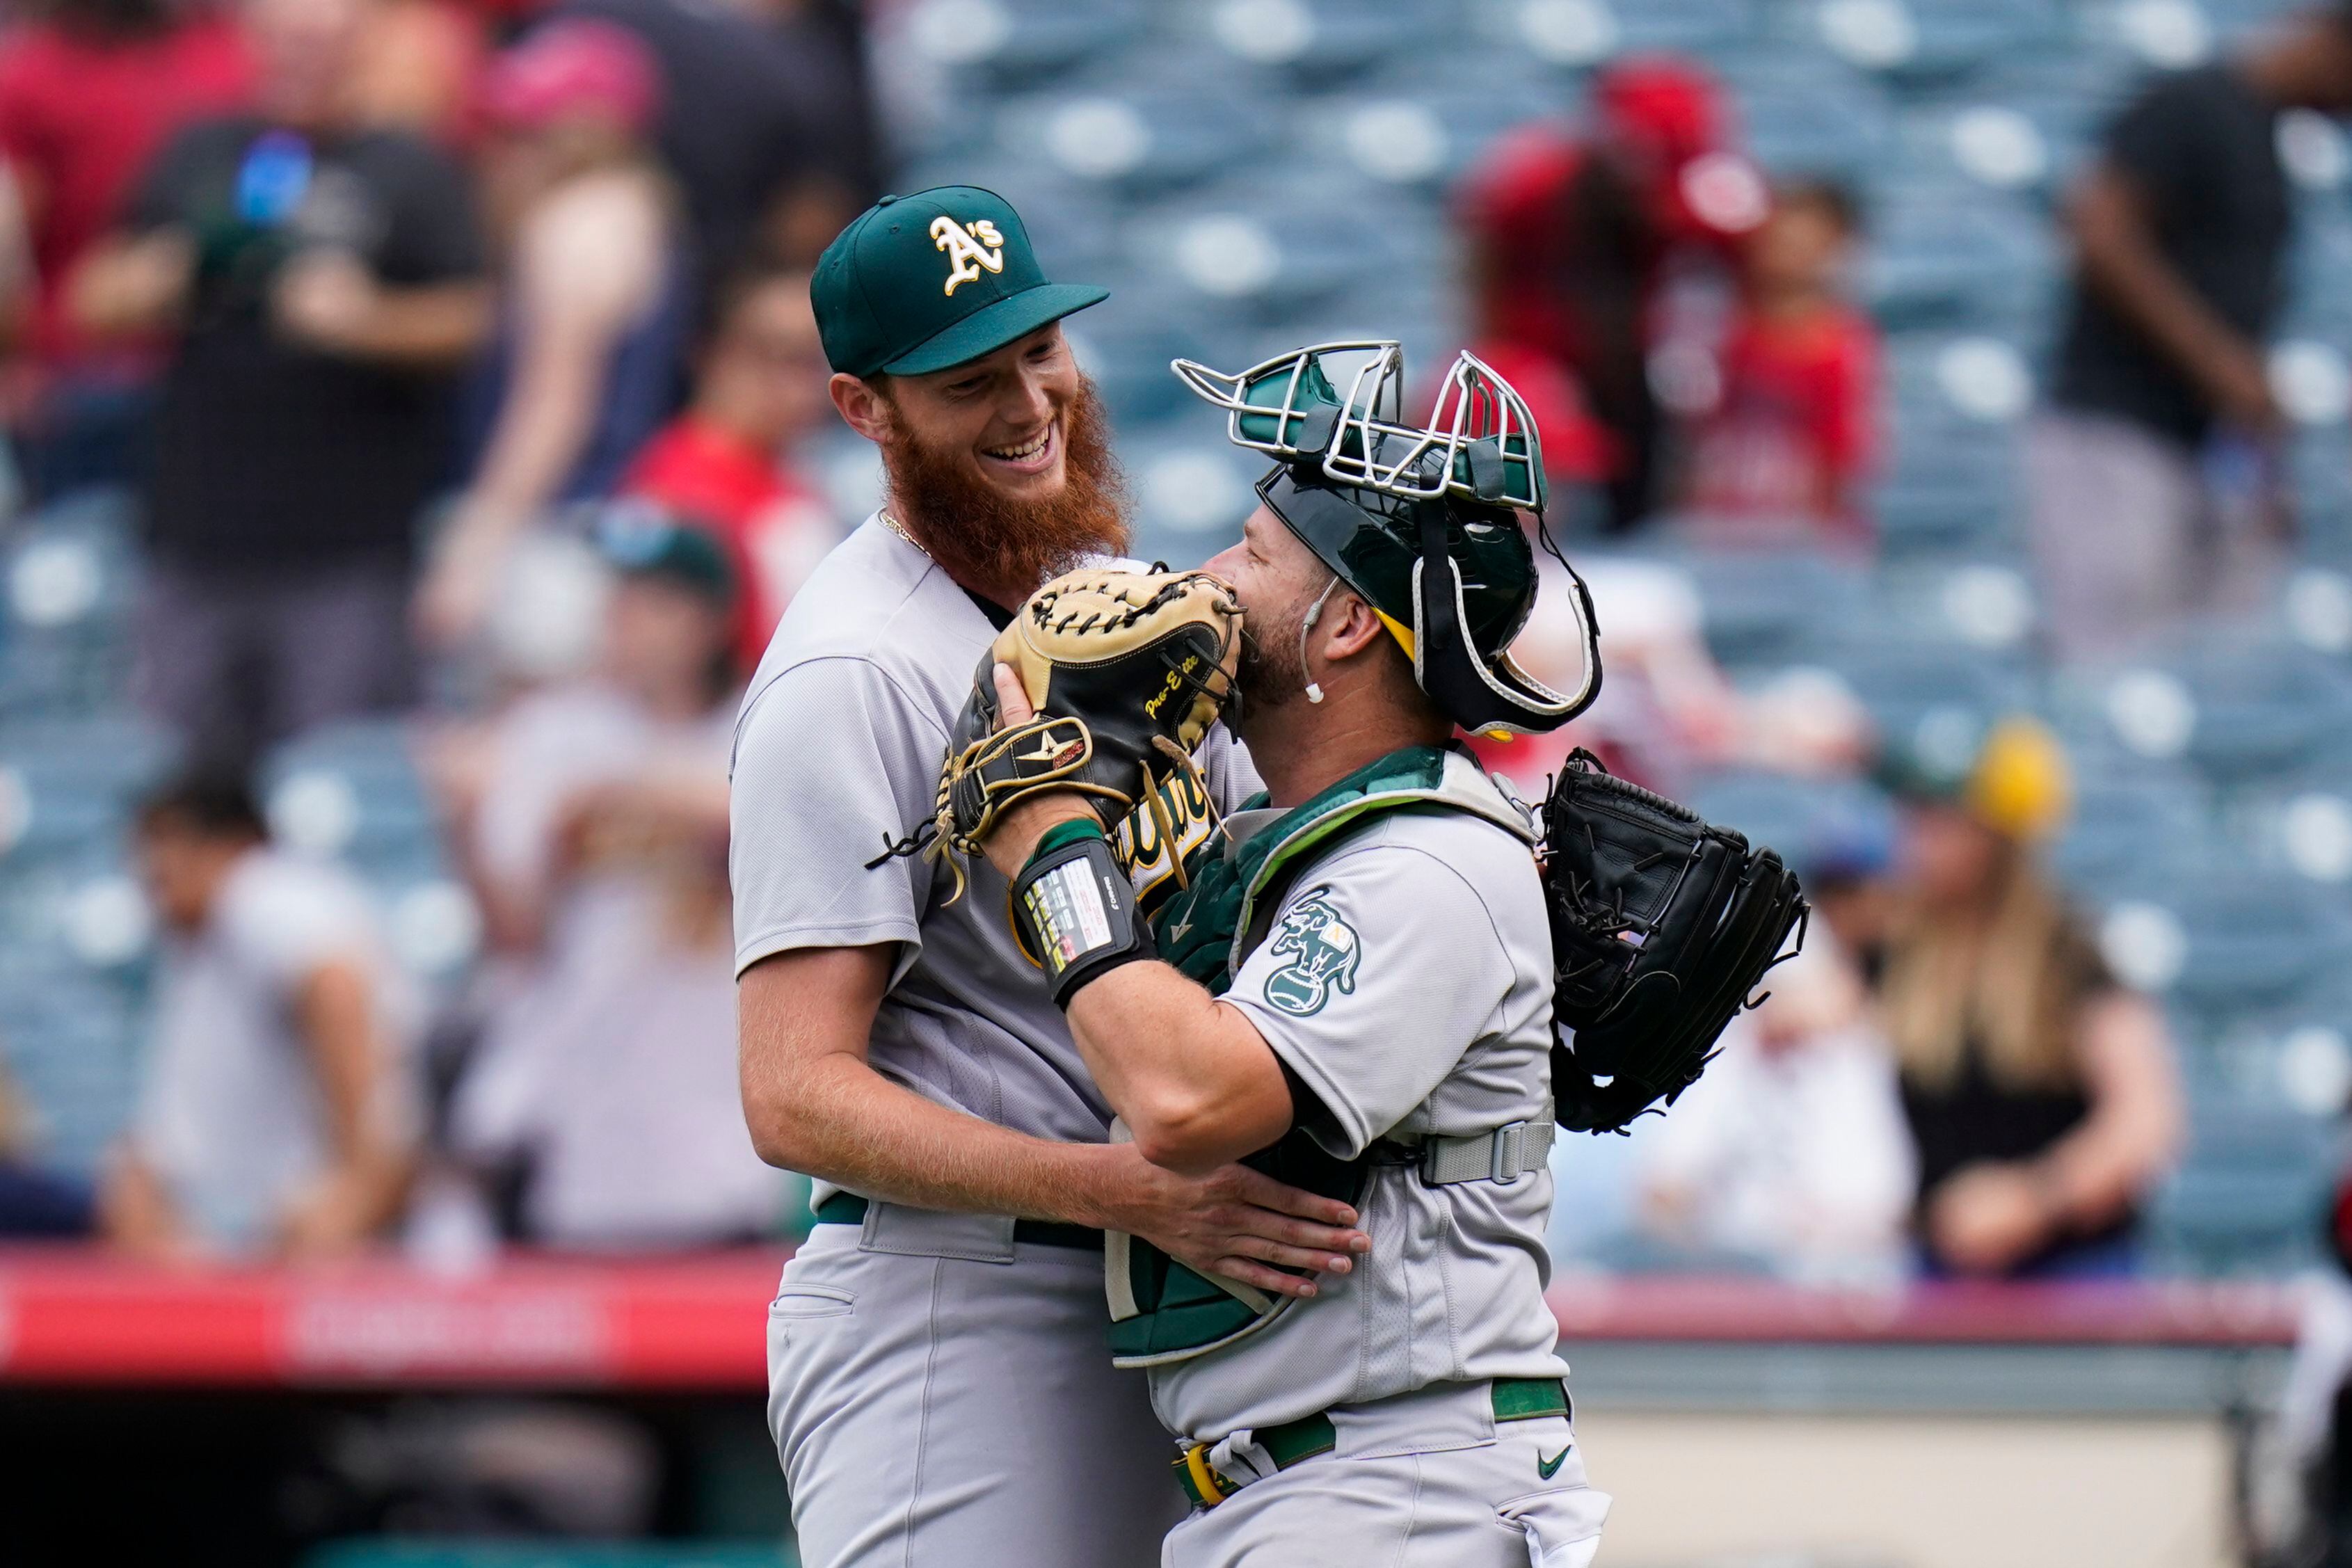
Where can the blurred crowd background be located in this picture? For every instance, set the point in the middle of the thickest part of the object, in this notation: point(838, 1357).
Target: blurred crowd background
point(418, 425)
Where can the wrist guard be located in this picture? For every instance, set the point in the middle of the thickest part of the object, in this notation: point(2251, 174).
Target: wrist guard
point(1073, 910)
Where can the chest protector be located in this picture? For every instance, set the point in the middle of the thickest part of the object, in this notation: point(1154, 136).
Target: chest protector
point(1161, 1310)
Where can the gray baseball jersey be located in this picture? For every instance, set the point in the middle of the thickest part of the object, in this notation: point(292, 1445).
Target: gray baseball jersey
point(1407, 980)
point(838, 752)
point(1035, 1452)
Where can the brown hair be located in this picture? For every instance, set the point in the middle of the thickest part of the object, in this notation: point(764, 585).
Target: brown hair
point(2011, 974)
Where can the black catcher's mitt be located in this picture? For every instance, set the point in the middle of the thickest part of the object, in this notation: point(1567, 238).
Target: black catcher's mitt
point(1661, 927)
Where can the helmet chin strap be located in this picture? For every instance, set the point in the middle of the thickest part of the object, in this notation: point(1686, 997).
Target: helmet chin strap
point(1314, 687)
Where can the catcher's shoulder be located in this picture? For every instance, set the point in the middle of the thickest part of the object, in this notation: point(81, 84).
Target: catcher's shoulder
point(1474, 834)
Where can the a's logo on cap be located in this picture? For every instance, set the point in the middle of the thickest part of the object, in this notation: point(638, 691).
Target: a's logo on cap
point(968, 250)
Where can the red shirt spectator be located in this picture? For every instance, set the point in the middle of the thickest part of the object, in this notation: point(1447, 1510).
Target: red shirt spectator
point(1571, 234)
point(759, 386)
point(87, 97)
point(774, 525)
point(1792, 437)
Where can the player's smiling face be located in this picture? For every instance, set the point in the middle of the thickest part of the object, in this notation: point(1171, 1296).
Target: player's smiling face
point(1005, 413)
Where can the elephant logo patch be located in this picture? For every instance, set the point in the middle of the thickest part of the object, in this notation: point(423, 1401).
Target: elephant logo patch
point(1323, 951)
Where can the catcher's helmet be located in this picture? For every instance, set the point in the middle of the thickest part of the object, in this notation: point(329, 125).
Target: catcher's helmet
point(1421, 521)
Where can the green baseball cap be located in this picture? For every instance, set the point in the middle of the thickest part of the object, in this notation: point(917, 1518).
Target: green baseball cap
point(920, 283)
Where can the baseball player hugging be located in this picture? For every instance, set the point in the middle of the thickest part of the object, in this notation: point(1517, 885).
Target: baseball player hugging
point(1355, 987)
point(937, 1390)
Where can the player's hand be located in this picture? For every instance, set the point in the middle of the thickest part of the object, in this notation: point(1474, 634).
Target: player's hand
point(2239, 382)
point(1238, 1222)
point(1987, 1217)
point(330, 1219)
point(326, 298)
point(1015, 837)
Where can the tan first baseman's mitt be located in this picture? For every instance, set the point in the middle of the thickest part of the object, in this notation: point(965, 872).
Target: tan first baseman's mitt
point(1125, 670)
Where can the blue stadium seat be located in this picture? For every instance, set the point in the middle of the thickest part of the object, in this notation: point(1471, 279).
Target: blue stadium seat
point(1800, 818)
point(1316, 41)
point(1155, 119)
point(2263, 709)
point(1472, 99)
point(67, 582)
point(1769, 608)
point(2256, 941)
point(1918, 42)
point(352, 790)
point(2119, 825)
point(72, 1043)
point(1972, 262)
point(1270, 251)
point(79, 780)
point(1815, 121)
point(993, 43)
point(2250, 1194)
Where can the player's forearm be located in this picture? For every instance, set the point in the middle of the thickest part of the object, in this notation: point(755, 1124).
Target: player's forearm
point(842, 1123)
point(132, 284)
point(426, 328)
point(1194, 1081)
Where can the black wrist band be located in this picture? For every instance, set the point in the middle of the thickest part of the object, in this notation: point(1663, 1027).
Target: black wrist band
point(1074, 913)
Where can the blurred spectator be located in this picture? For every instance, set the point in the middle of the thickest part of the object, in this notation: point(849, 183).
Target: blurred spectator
point(761, 118)
point(594, 820)
point(1788, 440)
point(582, 364)
point(323, 278)
point(727, 459)
point(421, 66)
point(33, 1202)
point(1792, 1151)
point(1667, 712)
point(2042, 1094)
point(2152, 476)
point(88, 90)
point(843, 170)
point(276, 1114)
point(1577, 243)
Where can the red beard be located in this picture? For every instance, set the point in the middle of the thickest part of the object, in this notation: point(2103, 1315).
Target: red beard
point(987, 541)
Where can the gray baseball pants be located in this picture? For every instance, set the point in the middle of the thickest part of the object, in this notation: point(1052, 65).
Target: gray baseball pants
point(1425, 1480)
point(943, 1396)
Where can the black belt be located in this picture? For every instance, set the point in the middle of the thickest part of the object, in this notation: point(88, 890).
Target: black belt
point(848, 1208)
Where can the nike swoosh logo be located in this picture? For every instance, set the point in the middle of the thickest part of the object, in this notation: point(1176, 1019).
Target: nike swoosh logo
point(1549, 1467)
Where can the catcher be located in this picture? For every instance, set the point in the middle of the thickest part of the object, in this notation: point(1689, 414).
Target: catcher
point(1355, 989)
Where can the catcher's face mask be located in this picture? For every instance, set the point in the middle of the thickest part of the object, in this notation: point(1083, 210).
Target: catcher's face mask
point(1479, 444)
point(1419, 522)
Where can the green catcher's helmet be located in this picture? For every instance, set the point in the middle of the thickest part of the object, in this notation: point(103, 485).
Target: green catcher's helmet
point(1421, 522)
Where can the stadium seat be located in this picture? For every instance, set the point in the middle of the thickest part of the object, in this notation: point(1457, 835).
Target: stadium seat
point(1384, 124)
point(994, 44)
point(68, 786)
point(1154, 119)
point(2119, 825)
point(1926, 41)
point(1316, 41)
point(1813, 119)
point(352, 791)
point(1799, 818)
point(2255, 940)
point(2250, 1196)
point(1769, 608)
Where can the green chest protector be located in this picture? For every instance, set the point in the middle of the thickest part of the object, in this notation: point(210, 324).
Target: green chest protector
point(1162, 1312)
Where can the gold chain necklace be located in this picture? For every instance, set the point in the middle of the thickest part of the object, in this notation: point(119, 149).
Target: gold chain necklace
point(893, 524)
